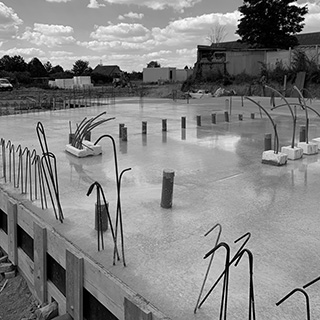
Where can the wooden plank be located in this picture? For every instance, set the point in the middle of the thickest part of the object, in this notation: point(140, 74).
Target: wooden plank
point(25, 220)
point(3, 241)
point(57, 246)
point(40, 262)
point(74, 285)
point(55, 295)
point(132, 311)
point(26, 266)
point(12, 232)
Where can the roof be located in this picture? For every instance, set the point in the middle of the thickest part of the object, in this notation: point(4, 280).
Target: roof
point(107, 70)
point(304, 39)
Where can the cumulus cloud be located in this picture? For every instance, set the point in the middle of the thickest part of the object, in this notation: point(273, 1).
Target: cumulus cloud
point(25, 52)
point(95, 5)
point(123, 31)
point(9, 22)
point(313, 15)
point(49, 35)
point(131, 15)
point(178, 5)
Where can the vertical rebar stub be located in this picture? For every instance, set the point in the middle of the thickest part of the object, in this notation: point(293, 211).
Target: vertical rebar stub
point(121, 125)
point(167, 188)
point(101, 213)
point(267, 141)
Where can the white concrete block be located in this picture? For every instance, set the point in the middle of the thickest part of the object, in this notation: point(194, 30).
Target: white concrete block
point(275, 159)
point(317, 141)
point(308, 148)
point(294, 153)
point(89, 149)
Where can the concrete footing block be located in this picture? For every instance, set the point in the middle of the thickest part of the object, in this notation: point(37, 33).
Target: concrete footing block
point(308, 148)
point(275, 159)
point(317, 141)
point(89, 149)
point(294, 153)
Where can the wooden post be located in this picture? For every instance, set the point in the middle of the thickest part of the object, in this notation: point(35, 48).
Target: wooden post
point(40, 262)
point(12, 232)
point(164, 125)
point(133, 312)
point(74, 285)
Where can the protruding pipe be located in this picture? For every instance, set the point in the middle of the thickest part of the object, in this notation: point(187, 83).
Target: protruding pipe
point(167, 189)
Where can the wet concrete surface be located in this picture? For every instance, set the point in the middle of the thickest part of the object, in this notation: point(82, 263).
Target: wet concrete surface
point(219, 178)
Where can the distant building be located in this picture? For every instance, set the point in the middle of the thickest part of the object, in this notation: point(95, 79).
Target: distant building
point(234, 57)
point(75, 82)
point(167, 74)
point(112, 71)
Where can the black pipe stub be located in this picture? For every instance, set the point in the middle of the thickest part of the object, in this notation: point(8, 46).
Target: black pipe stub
point(267, 141)
point(167, 188)
point(101, 217)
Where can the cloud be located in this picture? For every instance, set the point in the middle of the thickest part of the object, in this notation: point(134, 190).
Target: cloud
point(131, 15)
point(95, 5)
point(178, 5)
point(9, 22)
point(123, 31)
point(25, 52)
point(58, 1)
point(49, 35)
point(312, 17)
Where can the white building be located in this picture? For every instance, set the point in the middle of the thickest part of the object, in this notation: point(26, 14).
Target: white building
point(75, 82)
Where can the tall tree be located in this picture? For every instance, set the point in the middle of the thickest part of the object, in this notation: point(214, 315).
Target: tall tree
point(12, 64)
point(36, 68)
point(80, 67)
point(270, 23)
point(217, 33)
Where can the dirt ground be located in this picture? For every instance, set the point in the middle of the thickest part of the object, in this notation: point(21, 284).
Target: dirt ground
point(16, 300)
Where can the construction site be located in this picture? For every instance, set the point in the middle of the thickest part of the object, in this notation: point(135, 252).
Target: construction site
point(142, 208)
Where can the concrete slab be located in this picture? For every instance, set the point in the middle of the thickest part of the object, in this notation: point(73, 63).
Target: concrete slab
point(219, 178)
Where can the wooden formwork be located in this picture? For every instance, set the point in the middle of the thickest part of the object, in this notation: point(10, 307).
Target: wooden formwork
point(81, 271)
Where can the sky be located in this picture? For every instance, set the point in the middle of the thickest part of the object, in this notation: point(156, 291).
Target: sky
point(127, 33)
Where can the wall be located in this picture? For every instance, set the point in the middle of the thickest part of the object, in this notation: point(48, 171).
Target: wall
point(183, 74)
point(156, 74)
point(244, 61)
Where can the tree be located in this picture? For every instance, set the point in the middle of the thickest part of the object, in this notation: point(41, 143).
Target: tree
point(217, 33)
point(80, 67)
point(56, 69)
point(270, 23)
point(36, 68)
point(153, 64)
point(13, 64)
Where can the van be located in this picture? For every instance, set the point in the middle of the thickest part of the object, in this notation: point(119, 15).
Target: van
point(5, 85)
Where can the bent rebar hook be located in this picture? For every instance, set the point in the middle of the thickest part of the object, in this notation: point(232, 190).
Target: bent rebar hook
point(52, 171)
point(118, 185)
point(247, 235)
point(291, 293)
point(210, 262)
point(251, 288)
point(100, 232)
point(224, 297)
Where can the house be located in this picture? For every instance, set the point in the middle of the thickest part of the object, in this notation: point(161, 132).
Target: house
point(234, 57)
point(167, 74)
point(112, 71)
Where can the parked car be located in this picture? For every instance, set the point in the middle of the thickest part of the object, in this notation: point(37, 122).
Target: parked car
point(5, 85)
